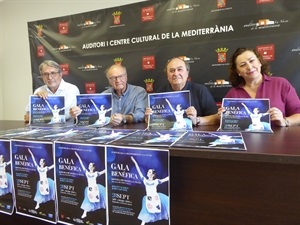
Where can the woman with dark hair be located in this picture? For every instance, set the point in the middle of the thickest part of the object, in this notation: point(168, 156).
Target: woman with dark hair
point(251, 78)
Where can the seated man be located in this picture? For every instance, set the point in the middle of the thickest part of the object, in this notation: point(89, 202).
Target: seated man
point(203, 109)
point(129, 101)
point(54, 85)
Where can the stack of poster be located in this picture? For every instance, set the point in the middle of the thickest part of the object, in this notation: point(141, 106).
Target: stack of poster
point(6, 180)
point(168, 111)
point(96, 109)
point(52, 134)
point(211, 140)
point(34, 180)
point(47, 111)
point(81, 178)
point(138, 186)
point(99, 136)
point(159, 138)
point(12, 133)
point(246, 115)
point(7, 193)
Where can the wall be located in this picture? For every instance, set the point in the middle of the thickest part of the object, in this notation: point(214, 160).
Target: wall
point(15, 70)
point(1, 58)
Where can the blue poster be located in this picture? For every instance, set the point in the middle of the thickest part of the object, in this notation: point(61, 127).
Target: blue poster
point(17, 132)
point(162, 138)
point(245, 115)
point(34, 182)
point(53, 133)
point(47, 111)
point(96, 109)
point(99, 136)
point(138, 186)
point(211, 140)
point(169, 111)
point(6, 181)
point(80, 173)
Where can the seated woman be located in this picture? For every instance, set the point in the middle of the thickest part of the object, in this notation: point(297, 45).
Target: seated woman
point(250, 78)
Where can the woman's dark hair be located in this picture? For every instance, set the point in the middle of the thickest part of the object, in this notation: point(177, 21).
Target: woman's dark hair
point(234, 77)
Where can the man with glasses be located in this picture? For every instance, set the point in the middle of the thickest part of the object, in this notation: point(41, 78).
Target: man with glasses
point(129, 101)
point(54, 85)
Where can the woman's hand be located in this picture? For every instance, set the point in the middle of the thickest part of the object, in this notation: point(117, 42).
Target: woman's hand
point(277, 116)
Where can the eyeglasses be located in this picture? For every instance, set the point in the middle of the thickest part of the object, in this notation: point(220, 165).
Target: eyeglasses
point(121, 76)
point(52, 74)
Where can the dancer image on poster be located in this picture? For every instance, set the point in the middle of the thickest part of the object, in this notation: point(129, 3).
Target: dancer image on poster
point(161, 138)
point(225, 140)
point(256, 116)
point(67, 133)
point(181, 122)
point(94, 194)
point(112, 135)
point(24, 132)
point(155, 205)
point(45, 189)
point(5, 178)
point(101, 112)
point(56, 118)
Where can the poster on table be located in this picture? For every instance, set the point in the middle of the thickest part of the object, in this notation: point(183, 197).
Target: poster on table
point(11, 133)
point(245, 115)
point(99, 136)
point(47, 111)
point(162, 138)
point(96, 109)
point(138, 186)
point(52, 134)
point(80, 175)
point(34, 180)
point(211, 140)
point(168, 111)
point(6, 181)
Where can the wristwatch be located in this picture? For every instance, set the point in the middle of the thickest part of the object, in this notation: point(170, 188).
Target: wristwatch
point(287, 122)
point(124, 119)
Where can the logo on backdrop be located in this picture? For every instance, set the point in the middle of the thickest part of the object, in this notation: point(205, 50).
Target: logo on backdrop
point(40, 51)
point(64, 48)
point(89, 67)
point(39, 30)
point(148, 62)
point(64, 69)
point(88, 23)
point(264, 1)
point(221, 4)
point(149, 84)
point(118, 61)
point(267, 51)
point(188, 59)
point(90, 87)
point(222, 54)
point(63, 27)
point(266, 24)
point(147, 14)
point(182, 8)
point(117, 19)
